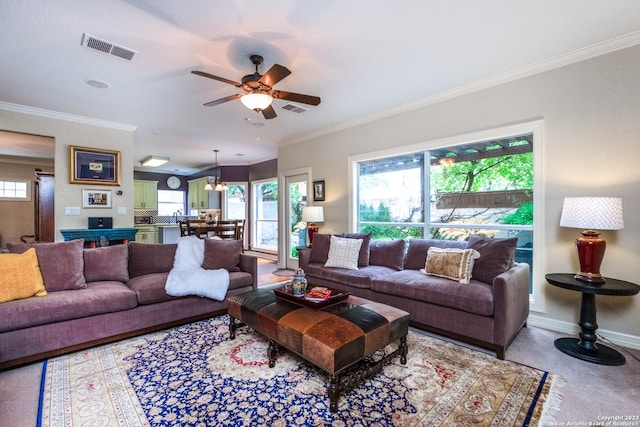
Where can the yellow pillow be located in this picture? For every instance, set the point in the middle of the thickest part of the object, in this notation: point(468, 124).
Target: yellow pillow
point(20, 276)
point(450, 263)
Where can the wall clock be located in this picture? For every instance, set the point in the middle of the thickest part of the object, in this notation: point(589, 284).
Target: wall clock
point(173, 182)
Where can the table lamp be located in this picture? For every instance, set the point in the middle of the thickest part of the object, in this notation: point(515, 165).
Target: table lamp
point(311, 215)
point(590, 213)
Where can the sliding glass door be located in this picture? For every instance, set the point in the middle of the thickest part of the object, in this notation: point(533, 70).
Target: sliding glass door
point(264, 230)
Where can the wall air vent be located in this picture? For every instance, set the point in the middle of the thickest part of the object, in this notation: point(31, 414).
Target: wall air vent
point(295, 108)
point(110, 48)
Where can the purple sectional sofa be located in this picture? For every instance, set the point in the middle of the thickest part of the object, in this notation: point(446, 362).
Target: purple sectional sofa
point(488, 312)
point(95, 296)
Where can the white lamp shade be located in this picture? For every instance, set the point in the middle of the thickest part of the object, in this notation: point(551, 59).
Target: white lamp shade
point(256, 101)
point(598, 213)
point(312, 214)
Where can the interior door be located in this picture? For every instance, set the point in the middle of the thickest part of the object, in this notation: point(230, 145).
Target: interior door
point(296, 199)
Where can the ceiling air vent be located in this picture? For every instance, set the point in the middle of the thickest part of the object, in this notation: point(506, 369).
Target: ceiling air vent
point(295, 108)
point(104, 46)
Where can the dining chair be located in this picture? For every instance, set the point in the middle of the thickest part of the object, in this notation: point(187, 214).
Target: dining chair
point(184, 230)
point(226, 229)
point(194, 230)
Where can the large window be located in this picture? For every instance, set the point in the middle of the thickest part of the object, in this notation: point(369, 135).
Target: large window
point(481, 187)
point(170, 202)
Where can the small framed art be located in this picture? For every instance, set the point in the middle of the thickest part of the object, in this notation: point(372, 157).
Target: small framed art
point(96, 198)
point(93, 166)
point(318, 191)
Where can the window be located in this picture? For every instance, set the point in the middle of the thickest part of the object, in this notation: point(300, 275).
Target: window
point(170, 202)
point(15, 190)
point(451, 189)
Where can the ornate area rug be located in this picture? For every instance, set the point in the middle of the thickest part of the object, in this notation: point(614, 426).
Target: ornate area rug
point(194, 375)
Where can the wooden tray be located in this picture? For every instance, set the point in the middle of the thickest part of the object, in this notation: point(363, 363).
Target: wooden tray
point(336, 296)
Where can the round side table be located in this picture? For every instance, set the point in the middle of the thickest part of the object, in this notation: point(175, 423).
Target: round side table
point(585, 347)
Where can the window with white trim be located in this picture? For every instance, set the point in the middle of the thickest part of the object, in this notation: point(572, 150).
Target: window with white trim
point(18, 190)
point(478, 186)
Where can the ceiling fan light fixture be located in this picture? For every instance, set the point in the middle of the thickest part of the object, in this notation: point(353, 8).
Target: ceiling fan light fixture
point(256, 101)
point(154, 161)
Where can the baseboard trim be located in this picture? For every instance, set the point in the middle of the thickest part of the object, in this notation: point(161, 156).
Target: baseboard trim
point(624, 340)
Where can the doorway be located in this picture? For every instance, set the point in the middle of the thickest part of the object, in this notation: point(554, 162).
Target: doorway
point(293, 233)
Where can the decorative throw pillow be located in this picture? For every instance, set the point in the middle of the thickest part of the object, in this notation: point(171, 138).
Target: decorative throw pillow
point(363, 257)
point(344, 253)
point(20, 276)
point(61, 263)
point(454, 264)
point(497, 256)
point(387, 253)
point(320, 248)
point(107, 263)
point(222, 254)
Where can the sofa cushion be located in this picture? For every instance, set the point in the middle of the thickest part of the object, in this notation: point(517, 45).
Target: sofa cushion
point(418, 248)
point(107, 263)
point(344, 253)
point(387, 253)
point(452, 263)
point(320, 248)
point(149, 288)
point(476, 297)
point(145, 258)
point(360, 278)
point(222, 254)
point(20, 276)
point(496, 257)
point(61, 263)
point(363, 257)
point(96, 298)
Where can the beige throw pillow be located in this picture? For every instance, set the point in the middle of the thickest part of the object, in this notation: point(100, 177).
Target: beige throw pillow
point(454, 264)
point(344, 253)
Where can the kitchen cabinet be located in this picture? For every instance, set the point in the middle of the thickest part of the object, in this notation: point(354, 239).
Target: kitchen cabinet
point(146, 234)
point(145, 194)
point(199, 198)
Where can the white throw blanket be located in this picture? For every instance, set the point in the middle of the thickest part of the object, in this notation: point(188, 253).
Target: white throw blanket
point(187, 277)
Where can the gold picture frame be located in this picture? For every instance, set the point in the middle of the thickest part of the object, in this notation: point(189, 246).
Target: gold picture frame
point(93, 166)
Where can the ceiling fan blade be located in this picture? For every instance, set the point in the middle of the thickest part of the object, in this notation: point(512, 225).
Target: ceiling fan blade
point(296, 97)
point(269, 112)
point(220, 79)
point(274, 75)
point(222, 100)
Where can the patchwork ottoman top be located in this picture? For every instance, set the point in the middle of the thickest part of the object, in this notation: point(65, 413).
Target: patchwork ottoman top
point(333, 338)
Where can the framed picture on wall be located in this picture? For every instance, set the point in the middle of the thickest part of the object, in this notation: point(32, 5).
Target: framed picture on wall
point(93, 166)
point(318, 191)
point(96, 198)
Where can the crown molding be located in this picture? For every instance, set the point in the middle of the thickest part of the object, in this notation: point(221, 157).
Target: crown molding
point(41, 112)
point(579, 55)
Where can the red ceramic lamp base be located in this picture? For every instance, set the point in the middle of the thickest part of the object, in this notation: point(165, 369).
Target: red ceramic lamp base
point(311, 230)
point(590, 254)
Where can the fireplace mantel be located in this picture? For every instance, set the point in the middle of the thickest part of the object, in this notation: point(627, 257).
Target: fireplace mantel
point(93, 235)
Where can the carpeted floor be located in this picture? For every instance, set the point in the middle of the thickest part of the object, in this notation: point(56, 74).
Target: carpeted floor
point(195, 375)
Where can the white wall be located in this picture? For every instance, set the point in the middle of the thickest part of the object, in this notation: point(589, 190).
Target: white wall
point(591, 114)
point(66, 133)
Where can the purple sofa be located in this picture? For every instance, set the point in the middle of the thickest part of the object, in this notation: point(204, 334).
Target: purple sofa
point(95, 296)
point(488, 312)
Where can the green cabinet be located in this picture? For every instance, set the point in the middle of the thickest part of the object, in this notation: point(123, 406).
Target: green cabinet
point(147, 234)
point(145, 194)
point(198, 196)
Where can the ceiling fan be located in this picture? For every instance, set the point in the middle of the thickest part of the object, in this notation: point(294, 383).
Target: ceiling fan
point(258, 89)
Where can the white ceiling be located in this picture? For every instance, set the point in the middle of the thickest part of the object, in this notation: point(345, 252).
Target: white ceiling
point(364, 58)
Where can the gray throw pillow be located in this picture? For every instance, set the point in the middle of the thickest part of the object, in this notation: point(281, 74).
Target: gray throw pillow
point(496, 257)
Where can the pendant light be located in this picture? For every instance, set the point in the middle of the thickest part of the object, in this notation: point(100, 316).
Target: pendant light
point(216, 185)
